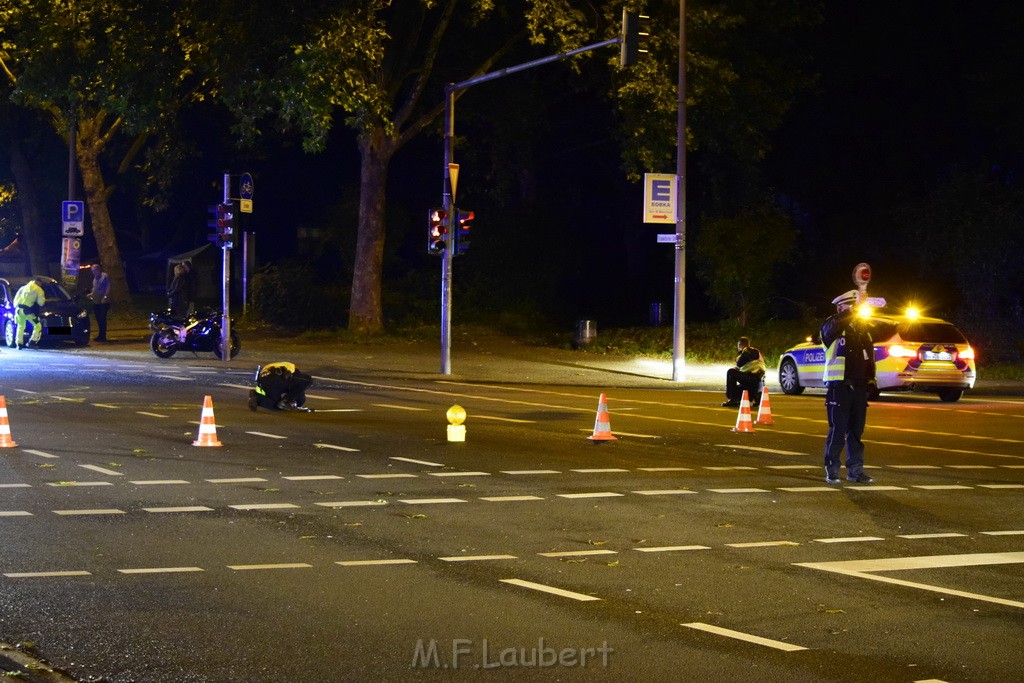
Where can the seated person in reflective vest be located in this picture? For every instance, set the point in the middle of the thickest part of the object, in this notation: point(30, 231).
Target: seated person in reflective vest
point(748, 374)
point(280, 386)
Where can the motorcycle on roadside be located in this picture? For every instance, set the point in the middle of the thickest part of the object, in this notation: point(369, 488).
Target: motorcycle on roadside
point(199, 332)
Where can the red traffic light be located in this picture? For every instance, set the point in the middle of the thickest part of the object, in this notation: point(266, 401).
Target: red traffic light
point(437, 227)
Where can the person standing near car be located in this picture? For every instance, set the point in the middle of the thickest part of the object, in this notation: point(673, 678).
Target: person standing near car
point(100, 296)
point(747, 374)
point(28, 304)
point(849, 378)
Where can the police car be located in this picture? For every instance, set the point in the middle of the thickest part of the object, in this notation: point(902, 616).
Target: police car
point(912, 353)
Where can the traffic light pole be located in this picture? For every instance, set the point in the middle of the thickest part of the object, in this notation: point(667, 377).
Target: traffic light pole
point(679, 309)
point(449, 200)
point(448, 203)
point(225, 325)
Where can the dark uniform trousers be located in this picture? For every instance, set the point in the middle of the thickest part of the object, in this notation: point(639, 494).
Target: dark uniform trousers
point(847, 408)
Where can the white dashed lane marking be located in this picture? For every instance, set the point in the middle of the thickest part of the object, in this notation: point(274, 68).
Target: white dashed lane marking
point(160, 570)
point(353, 503)
point(102, 470)
point(664, 492)
point(373, 563)
point(285, 565)
point(386, 476)
point(430, 501)
point(336, 448)
point(109, 511)
point(596, 494)
point(33, 575)
point(672, 548)
point(509, 499)
point(188, 508)
point(41, 454)
point(477, 558)
point(269, 436)
point(746, 637)
point(458, 474)
point(579, 553)
point(418, 462)
point(550, 589)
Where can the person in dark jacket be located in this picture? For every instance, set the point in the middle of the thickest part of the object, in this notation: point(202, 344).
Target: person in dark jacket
point(177, 293)
point(748, 374)
point(849, 378)
point(280, 386)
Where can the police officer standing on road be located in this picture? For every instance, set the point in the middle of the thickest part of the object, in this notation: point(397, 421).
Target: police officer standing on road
point(849, 379)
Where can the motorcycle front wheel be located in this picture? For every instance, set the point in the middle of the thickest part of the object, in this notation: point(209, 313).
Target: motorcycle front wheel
point(236, 345)
point(164, 343)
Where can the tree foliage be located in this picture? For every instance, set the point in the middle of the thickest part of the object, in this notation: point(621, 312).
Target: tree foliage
point(103, 68)
point(738, 256)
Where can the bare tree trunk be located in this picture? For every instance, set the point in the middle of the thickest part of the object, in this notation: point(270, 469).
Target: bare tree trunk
point(365, 314)
point(28, 201)
point(90, 144)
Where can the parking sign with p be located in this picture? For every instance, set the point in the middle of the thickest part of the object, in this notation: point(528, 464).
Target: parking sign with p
point(72, 219)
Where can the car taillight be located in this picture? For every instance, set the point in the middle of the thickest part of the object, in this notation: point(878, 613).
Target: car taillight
point(967, 354)
point(898, 351)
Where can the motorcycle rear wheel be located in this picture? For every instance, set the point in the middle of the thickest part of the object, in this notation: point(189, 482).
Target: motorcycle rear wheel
point(236, 345)
point(163, 343)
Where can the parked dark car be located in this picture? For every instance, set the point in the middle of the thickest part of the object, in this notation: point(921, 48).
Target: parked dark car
point(63, 319)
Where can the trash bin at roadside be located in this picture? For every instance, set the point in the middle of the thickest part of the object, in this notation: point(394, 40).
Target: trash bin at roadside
point(655, 314)
point(586, 331)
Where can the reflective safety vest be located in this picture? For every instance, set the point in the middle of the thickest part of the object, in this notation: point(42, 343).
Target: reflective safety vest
point(835, 360)
point(755, 366)
point(30, 295)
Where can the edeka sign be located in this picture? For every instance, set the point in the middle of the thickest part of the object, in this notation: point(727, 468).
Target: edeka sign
point(660, 198)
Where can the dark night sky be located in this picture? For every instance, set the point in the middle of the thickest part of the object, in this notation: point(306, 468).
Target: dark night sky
point(908, 94)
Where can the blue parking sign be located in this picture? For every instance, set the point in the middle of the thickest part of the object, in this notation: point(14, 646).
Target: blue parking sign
point(72, 216)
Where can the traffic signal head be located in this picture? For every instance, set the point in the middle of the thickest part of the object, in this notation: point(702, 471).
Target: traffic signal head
point(222, 220)
point(630, 38)
point(437, 228)
point(226, 224)
point(463, 223)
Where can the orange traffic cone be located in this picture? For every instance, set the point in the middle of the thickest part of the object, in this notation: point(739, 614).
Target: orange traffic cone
point(207, 426)
point(602, 428)
point(5, 428)
point(764, 410)
point(743, 423)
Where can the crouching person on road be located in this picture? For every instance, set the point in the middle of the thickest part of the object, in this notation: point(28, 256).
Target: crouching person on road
point(280, 386)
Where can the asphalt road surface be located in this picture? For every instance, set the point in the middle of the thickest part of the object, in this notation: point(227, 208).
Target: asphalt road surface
point(358, 543)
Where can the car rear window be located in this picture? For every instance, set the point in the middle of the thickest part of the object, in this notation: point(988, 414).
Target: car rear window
point(931, 332)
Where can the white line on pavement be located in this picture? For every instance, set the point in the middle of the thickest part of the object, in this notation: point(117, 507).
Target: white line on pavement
point(739, 635)
point(550, 589)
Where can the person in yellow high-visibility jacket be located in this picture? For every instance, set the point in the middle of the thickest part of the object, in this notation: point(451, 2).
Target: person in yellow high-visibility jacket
point(280, 386)
point(28, 304)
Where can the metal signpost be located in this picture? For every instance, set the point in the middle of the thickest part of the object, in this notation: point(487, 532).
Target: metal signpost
point(225, 327)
